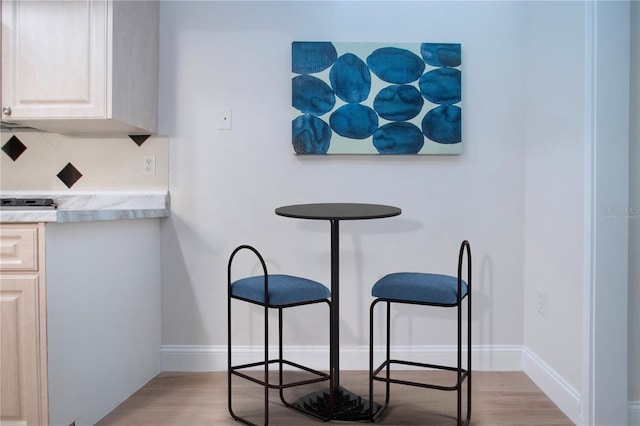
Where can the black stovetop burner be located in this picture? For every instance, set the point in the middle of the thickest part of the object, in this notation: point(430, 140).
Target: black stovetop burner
point(24, 203)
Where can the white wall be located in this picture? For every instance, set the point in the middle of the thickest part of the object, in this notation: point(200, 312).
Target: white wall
point(225, 185)
point(519, 183)
point(555, 205)
point(103, 315)
point(609, 194)
point(634, 222)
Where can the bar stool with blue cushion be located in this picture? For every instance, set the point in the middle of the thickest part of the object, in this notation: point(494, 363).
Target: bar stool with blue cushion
point(420, 288)
point(276, 291)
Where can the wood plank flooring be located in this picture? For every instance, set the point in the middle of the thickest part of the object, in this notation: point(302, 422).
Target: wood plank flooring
point(194, 399)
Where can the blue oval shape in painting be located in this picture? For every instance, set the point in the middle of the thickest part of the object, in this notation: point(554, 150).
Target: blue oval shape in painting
point(443, 124)
point(309, 57)
point(441, 54)
point(394, 65)
point(350, 78)
point(354, 121)
point(441, 86)
point(398, 102)
point(398, 138)
point(310, 135)
point(311, 95)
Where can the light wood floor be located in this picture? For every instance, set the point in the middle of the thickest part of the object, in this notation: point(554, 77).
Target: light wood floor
point(194, 399)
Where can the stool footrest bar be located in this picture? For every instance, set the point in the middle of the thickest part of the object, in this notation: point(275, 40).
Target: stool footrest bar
point(382, 366)
point(321, 376)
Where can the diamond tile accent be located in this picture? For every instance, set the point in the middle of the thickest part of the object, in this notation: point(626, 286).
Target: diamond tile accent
point(139, 139)
point(14, 148)
point(69, 175)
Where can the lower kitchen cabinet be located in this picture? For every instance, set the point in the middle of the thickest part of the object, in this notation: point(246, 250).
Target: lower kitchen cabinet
point(23, 354)
point(73, 350)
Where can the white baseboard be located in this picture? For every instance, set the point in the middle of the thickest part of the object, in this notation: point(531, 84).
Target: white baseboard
point(565, 396)
point(214, 358)
point(634, 413)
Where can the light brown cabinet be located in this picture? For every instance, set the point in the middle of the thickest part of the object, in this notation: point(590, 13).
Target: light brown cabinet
point(23, 355)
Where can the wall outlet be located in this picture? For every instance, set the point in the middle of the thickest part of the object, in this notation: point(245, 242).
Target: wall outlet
point(541, 302)
point(149, 165)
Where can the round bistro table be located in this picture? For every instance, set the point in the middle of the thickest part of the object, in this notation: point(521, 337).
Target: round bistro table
point(346, 404)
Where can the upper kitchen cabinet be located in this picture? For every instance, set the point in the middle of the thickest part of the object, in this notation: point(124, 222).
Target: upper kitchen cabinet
point(80, 67)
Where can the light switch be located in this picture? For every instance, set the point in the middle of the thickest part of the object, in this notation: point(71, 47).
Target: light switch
point(224, 119)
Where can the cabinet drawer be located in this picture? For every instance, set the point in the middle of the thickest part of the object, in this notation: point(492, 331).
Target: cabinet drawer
point(18, 248)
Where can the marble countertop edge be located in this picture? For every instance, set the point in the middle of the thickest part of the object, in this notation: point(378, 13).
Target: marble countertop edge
point(94, 206)
point(98, 215)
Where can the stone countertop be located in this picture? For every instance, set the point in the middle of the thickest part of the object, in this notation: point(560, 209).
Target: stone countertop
point(90, 206)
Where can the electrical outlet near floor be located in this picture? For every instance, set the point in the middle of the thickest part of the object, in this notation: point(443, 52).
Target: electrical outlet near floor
point(149, 165)
point(541, 302)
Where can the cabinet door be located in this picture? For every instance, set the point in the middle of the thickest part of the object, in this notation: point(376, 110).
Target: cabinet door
point(54, 59)
point(21, 402)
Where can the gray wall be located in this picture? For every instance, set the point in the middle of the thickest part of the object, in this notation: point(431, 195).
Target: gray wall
point(103, 315)
point(554, 184)
point(518, 185)
point(634, 203)
point(225, 185)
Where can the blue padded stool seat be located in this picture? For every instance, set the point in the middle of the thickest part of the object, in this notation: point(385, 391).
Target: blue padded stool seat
point(283, 290)
point(419, 287)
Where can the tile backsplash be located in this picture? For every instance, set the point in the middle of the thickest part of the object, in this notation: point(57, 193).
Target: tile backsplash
point(39, 161)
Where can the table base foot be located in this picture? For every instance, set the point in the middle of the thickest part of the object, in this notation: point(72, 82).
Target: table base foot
point(346, 405)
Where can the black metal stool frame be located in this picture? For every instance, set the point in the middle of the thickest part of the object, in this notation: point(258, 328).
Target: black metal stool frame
point(235, 370)
point(462, 373)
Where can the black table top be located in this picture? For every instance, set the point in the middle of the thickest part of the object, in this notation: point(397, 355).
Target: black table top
point(338, 211)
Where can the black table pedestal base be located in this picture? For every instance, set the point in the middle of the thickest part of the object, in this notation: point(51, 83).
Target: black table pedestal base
point(346, 405)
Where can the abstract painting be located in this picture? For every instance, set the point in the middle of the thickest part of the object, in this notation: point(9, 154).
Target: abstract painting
point(376, 98)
